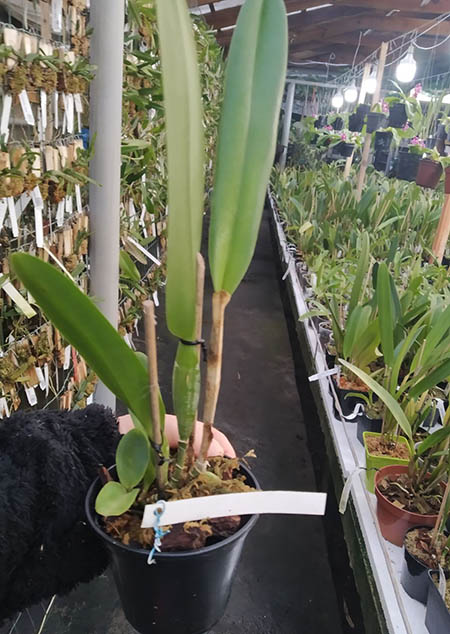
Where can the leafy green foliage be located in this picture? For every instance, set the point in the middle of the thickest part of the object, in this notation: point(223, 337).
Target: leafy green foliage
point(114, 499)
point(132, 458)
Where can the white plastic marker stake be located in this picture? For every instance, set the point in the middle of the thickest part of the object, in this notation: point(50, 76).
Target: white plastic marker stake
point(3, 210)
point(78, 199)
point(38, 208)
point(320, 375)
point(57, 16)
point(13, 217)
point(4, 409)
point(56, 110)
point(22, 204)
point(68, 103)
point(67, 353)
point(69, 205)
point(46, 379)
point(31, 396)
point(43, 110)
point(78, 109)
point(144, 251)
point(278, 502)
point(346, 490)
point(17, 298)
point(155, 299)
point(26, 107)
point(60, 214)
point(131, 209)
point(41, 378)
point(6, 113)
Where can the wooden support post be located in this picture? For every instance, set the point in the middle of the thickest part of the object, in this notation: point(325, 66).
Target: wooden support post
point(443, 231)
point(362, 96)
point(368, 139)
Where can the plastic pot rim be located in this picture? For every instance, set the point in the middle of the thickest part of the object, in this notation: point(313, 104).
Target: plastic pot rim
point(92, 516)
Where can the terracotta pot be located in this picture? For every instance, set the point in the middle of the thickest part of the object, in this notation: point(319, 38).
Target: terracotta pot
point(394, 522)
point(378, 462)
point(429, 173)
point(447, 180)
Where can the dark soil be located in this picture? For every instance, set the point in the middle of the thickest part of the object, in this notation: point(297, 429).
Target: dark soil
point(398, 489)
point(380, 446)
point(418, 544)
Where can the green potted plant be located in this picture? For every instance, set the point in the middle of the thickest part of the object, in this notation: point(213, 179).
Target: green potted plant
point(197, 581)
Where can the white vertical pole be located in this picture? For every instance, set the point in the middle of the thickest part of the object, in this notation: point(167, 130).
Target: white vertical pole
point(287, 122)
point(107, 20)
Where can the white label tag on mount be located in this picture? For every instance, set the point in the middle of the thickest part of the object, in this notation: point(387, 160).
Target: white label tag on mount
point(68, 102)
point(131, 209)
point(17, 298)
point(37, 197)
point(346, 490)
point(67, 351)
point(90, 399)
point(78, 199)
point(3, 210)
point(4, 409)
point(279, 502)
point(22, 204)
point(38, 207)
point(69, 205)
point(41, 378)
point(44, 110)
point(56, 110)
point(57, 16)
point(320, 375)
point(26, 107)
point(144, 251)
point(155, 299)
point(13, 217)
point(31, 396)
point(78, 103)
point(60, 214)
point(46, 379)
point(6, 113)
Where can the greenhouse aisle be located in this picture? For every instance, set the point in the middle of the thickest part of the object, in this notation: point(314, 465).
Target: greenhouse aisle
point(284, 583)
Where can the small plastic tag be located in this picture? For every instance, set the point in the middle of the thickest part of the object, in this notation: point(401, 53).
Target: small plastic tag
point(41, 378)
point(67, 352)
point(3, 210)
point(43, 110)
point(346, 490)
point(31, 396)
point(6, 113)
point(60, 214)
point(69, 205)
point(68, 102)
point(78, 199)
point(22, 204)
point(56, 110)
point(57, 16)
point(320, 375)
point(144, 251)
point(46, 374)
point(38, 225)
point(155, 299)
point(17, 298)
point(26, 107)
point(13, 217)
point(78, 103)
point(4, 409)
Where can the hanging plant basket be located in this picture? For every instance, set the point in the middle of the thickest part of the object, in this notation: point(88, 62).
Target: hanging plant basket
point(338, 123)
point(345, 149)
point(394, 521)
point(375, 120)
point(184, 592)
point(363, 110)
point(383, 141)
point(429, 173)
point(437, 619)
point(397, 115)
point(355, 122)
point(407, 165)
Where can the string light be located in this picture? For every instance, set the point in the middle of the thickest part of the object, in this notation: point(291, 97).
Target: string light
point(370, 85)
point(337, 100)
point(351, 93)
point(406, 70)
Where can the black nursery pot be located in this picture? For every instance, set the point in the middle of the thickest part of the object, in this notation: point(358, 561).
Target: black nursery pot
point(407, 166)
point(184, 592)
point(397, 115)
point(362, 110)
point(347, 404)
point(364, 423)
point(338, 123)
point(345, 149)
point(355, 122)
point(375, 120)
point(414, 575)
point(437, 619)
point(383, 141)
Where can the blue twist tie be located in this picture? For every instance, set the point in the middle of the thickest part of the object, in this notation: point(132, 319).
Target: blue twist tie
point(159, 532)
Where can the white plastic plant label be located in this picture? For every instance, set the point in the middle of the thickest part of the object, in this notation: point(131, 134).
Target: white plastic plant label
point(60, 214)
point(67, 353)
point(46, 375)
point(78, 199)
point(155, 299)
point(26, 107)
point(22, 204)
point(56, 110)
point(69, 205)
point(41, 377)
point(68, 104)
point(275, 502)
point(57, 16)
point(17, 298)
point(131, 209)
point(6, 113)
point(38, 226)
point(144, 251)
point(31, 396)
point(78, 103)
point(3, 210)
point(43, 110)
point(13, 217)
point(4, 409)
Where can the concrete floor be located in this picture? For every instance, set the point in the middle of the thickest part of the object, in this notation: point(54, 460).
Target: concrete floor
point(284, 583)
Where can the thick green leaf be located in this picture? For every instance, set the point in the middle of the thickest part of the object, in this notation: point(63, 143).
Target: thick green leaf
point(361, 273)
point(82, 325)
point(185, 149)
point(186, 388)
point(254, 83)
point(132, 458)
point(433, 440)
point(440, 374)
point(384, 395)
point(356, 325)
point(385, 313)
point(128, 268)
point(114, 499)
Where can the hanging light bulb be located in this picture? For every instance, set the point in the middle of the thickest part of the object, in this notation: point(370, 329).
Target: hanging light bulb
point(370, 85)
point(337, 100)
point(446, 98)
point(406, 70)
point(351, 93)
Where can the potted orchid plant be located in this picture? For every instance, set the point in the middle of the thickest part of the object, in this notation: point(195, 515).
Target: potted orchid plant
point(198, 559)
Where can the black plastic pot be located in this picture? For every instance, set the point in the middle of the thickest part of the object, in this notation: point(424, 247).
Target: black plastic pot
point(441, 132)
point(364, 423)
point(338, 123)
point(375, 120)
point(437, 619)
point(430, 142)
point(184, 592)
point(330, 359)
point(383, 141)
point(362, 110)
point(414, 575)
point(380, 160)
point(320, 122)
point(397, 115)
point(355, 122)
point(346, 149)
point(347, 403)
point(407, 166)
